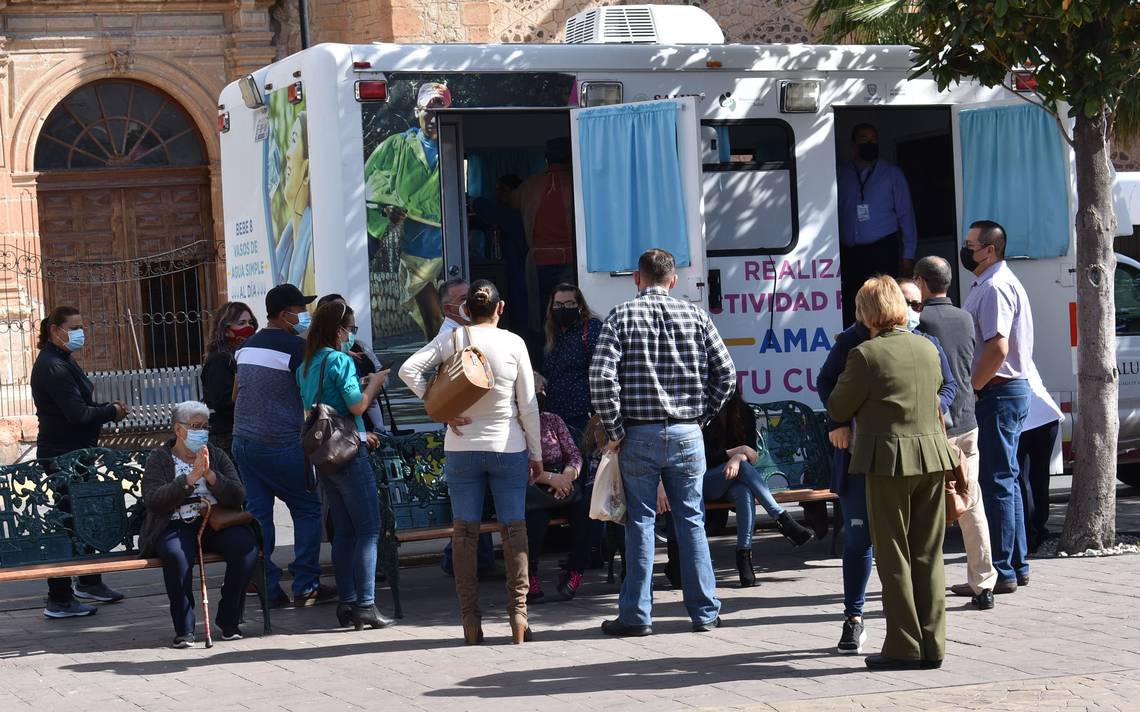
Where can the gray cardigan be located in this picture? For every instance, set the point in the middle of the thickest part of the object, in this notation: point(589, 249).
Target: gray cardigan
point(163, 493)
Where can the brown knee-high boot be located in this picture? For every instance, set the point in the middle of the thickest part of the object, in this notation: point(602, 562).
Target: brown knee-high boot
point(518, 581)
point(464, 547)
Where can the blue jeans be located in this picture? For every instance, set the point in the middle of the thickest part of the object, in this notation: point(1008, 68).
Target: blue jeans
point(178, 549)
point(278, 472)
point(674, 455)
point(468, 473)
point(355, 511)
point(857, 554)
point(1001, 411)
point(748, 484)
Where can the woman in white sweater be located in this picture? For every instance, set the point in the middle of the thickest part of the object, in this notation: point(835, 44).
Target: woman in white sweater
point(495, 442)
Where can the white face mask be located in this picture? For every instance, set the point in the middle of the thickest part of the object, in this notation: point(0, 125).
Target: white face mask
point(912, 318)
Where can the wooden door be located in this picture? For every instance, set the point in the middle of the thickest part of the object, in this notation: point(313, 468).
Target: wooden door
point(126, 248)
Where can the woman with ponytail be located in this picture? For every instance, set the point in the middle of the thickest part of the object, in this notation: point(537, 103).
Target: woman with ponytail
point(496, 442)
point(69, 419)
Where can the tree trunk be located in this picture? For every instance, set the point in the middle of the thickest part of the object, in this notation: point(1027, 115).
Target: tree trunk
point(1091, 519)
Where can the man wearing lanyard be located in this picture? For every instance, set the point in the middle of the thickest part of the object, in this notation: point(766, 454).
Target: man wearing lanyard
point(877, 230)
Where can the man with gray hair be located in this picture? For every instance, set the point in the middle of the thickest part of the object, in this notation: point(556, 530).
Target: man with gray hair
point(954, 328)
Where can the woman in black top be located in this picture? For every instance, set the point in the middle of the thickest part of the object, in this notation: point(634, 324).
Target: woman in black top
point(233, 324)
point(69, 419)
point(572, 332)
point(730, 455)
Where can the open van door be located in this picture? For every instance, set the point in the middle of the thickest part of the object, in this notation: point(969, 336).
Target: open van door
point(1012, 165)
point(637, 185)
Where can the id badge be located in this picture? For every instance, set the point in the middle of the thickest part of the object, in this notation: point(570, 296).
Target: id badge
point(863, 212)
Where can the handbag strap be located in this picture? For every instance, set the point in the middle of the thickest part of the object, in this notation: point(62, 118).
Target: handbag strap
point(321, 382)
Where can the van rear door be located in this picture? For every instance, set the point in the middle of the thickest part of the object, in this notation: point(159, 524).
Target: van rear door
point(637, 185)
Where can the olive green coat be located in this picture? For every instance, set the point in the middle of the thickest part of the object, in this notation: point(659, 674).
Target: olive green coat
point(890, 389)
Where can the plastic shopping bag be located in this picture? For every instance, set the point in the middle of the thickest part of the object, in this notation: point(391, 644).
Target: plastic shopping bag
point(608, 501)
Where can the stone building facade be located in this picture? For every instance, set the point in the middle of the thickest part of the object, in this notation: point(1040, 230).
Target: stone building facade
point(88, 175)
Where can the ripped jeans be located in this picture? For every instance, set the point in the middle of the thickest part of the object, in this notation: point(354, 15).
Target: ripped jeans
point(857, 558)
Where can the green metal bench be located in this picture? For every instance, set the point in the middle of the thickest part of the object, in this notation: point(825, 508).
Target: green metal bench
point(79, 514)
point(795, 460)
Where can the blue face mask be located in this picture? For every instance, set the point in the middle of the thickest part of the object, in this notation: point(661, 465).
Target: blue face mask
point(911, 319)
point(196, 439)
point(346, 345)
point(304, 319)
point(75, 339)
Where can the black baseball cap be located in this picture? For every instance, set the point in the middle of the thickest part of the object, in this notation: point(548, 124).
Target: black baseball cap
point(284, 296)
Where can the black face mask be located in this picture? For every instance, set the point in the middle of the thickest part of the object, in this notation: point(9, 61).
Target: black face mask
point(565, 317)
point(967, 257)
point(868, 151)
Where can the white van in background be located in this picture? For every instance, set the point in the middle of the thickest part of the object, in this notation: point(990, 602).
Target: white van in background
point(312, 144)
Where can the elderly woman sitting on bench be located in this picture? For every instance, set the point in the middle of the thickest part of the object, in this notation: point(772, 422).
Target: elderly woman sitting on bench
point(180, 475)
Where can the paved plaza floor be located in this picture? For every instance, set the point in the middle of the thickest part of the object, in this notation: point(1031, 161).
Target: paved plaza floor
point(1069, 641)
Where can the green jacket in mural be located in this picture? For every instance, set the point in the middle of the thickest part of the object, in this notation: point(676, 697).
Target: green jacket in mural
point(403, 172)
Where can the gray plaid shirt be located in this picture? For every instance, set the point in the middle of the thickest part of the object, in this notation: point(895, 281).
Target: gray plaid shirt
point(659, 357)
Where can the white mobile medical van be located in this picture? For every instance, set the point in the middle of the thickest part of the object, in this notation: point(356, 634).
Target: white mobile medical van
point(745, 140)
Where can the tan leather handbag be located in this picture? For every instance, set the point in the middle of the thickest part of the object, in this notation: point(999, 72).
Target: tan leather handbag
point(461, 380)
point(958, 500)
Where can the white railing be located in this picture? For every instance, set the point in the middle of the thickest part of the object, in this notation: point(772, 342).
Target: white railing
point(149, 394)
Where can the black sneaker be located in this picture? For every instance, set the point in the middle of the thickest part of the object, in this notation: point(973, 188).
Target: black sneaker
point(851, 642)
point(98, 592)
point(231, 633)
point(534, 594)
point(183, 641)
point(315, 596)
point(279, 599)
point(984, 601)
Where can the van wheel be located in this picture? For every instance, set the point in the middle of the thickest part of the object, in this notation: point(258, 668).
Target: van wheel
point(1129, 473)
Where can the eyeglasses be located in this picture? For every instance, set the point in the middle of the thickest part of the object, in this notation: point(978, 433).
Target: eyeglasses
point(196, 426)
point(351, 329)
point(572, 304)
point(914, 304)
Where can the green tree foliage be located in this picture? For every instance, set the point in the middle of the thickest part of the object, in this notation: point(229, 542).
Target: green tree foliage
point(865, 21)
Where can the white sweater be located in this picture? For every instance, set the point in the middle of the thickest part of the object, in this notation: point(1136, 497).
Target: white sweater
point(506, 418)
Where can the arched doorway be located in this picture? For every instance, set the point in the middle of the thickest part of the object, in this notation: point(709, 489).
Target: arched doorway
point(125, 225)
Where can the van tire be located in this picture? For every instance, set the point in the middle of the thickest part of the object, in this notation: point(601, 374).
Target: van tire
point(1129, 473)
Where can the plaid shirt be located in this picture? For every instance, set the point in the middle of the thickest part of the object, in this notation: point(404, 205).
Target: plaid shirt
point(659, 357)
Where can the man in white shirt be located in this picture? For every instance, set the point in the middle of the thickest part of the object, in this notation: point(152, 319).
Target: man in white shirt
point(452, 295)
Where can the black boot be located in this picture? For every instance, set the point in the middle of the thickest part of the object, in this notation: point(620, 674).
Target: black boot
point(344, 614)
point(744, 566)
point(369, 616)
point(792, 530)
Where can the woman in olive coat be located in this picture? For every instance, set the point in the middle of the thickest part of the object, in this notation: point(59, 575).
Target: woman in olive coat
point(890, 389)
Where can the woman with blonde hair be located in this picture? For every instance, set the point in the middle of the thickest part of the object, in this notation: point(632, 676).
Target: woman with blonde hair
point(889, 387)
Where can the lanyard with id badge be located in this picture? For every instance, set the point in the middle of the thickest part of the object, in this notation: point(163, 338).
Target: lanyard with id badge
point(862, 209)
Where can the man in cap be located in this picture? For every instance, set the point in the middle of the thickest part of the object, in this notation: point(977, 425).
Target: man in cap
point(267, 442)
point(402, 183)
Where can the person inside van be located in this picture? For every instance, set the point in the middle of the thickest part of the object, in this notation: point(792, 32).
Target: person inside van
point(498, 214)
point(878, 233)
point(546, 201)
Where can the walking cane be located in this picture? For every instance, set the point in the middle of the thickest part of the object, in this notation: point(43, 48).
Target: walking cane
point(202, 576)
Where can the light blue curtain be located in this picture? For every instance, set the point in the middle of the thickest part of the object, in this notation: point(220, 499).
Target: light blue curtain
point(486, 165)
point(1014, 171)
point(631, 184)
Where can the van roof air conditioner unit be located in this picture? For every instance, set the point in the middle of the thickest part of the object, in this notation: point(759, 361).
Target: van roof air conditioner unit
point(643, 24)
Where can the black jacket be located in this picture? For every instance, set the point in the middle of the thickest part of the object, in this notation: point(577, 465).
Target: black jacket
point(218, 374)
point(69, 417)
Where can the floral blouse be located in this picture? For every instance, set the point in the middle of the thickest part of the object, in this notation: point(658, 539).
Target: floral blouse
point(558, 447)
point(567, 370)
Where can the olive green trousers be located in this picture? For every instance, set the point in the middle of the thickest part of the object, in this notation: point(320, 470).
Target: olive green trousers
point(908, 523)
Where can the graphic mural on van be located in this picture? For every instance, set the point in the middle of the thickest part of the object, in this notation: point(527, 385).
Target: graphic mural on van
point(402, 187)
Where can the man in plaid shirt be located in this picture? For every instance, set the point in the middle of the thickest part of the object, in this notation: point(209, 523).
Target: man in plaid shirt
point(660, 372)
